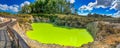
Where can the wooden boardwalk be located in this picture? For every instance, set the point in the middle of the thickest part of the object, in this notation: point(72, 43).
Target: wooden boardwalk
point(9, 38)
point(5, 41)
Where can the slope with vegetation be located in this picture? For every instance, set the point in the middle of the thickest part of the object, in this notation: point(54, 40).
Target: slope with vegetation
point(107, 35)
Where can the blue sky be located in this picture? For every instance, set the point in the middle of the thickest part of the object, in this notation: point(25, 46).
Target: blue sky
point(13, 6)
point(108, 7)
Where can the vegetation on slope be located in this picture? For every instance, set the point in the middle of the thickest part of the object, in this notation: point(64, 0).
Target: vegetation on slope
point(106, 35)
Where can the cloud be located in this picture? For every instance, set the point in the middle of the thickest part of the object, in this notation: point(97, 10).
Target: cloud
point(72, 1)
point(84, 7)
point(25, 3)
point(104, 3)
point(13, 8)
point(79, 13)
point(97, 4)
point(116, 5)
point(88, 7)
point(102, 6)
point(3, 7)
point(117, 14)
point(112, 4)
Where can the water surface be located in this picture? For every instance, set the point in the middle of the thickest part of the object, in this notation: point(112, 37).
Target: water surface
point(50, 34)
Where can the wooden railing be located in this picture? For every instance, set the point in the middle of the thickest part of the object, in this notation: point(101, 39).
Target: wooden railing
point(4, 24)
point(20, 43)
point(16, 41)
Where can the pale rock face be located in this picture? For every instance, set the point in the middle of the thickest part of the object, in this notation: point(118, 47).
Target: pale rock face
point(1, 19)
point(107, 36)
point(118, 46)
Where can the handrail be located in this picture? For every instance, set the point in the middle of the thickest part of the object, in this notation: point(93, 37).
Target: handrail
point(3, 24)
point(17, 39)
point(13, 37)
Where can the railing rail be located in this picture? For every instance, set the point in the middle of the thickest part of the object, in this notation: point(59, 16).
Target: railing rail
point(14, 39)
point(3, 24)
point(17, 40)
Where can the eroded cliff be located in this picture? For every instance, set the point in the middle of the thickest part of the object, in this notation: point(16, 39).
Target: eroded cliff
point(106, 35)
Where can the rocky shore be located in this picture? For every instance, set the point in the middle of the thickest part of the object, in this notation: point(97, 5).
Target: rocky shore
point(106, 35)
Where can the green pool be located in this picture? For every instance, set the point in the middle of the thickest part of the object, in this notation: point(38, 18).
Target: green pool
point(49, 34)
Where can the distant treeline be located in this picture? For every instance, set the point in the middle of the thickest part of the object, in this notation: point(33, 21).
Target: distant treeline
point(98, 15)
point(50, 6)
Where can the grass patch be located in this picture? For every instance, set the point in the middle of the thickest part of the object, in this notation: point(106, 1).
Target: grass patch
point(50, 34)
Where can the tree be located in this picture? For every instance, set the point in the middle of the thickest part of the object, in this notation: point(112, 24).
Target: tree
point(89, 15)
point(26, 9)
point(48, 6)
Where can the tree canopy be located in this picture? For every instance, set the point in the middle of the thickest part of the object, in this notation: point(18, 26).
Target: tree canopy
point(49, 6)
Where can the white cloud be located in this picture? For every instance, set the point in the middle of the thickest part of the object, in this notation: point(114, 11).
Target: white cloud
point(13, 8)
point(97, 4)
point(3, 7)
point(84, 7)
point(79, 13)
point(92, 4)
point(25, 3)
point(88, 7)
point(113, 4)
point(102, 6)
point(72, 1)
point(117, 14)
point(104, 3)
point(116, 6)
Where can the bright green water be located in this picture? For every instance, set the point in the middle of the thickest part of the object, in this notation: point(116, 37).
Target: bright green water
point(50, 34)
